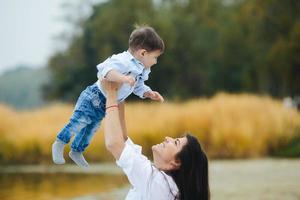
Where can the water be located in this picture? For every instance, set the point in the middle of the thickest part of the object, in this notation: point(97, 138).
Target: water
point(268, 179)
point(62, 183)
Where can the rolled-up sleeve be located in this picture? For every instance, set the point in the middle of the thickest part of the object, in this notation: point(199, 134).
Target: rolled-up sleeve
point(140, 88)
point(108, 65)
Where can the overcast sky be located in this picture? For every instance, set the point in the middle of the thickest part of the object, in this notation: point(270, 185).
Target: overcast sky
point(28, 29)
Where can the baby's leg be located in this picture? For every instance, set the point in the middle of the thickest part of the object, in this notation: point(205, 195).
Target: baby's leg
point(74, 126)
point(77, 125)
point(81, 142)
point(83, 139)
point(95, 108)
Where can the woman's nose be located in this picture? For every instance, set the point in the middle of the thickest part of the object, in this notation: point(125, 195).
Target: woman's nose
point(167, 139)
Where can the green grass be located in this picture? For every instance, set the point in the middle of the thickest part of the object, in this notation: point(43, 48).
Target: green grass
point(290, 150)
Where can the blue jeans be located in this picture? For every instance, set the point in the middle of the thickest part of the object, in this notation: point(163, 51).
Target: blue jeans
point(85, 120)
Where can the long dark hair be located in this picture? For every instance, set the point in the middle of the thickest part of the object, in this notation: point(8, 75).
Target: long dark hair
point(191, 177)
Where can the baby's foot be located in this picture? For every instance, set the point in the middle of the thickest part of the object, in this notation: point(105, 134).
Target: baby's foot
point(78, 158)
point(58, 152)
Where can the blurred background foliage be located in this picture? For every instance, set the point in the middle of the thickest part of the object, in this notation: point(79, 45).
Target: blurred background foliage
point(240, 56)
point(228, 126)
point(211, 45)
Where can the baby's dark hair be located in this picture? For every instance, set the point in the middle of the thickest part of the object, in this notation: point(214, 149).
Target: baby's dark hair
point(145, 37)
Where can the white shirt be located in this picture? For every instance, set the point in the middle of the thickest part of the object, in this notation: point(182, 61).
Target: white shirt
point(126, 64)
point(148, 183)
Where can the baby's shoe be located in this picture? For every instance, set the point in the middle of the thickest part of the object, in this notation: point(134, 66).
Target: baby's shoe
point(78, 158)
point(58, 152)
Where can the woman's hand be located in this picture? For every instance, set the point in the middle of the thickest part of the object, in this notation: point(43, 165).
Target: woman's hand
point(110, 87)
point(130, 80)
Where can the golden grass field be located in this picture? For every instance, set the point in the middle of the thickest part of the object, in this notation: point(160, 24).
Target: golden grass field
point(228, 126)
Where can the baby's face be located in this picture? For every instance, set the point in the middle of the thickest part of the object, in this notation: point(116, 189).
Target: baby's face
point(150, 58)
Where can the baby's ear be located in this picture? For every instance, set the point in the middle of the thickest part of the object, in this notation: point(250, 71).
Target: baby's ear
point(143, 51)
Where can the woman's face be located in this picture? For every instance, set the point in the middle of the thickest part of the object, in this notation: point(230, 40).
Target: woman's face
point(165, 152)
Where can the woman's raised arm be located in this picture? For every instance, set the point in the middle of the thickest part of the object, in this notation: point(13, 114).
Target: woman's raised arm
point(114, 140)
point(122, 119)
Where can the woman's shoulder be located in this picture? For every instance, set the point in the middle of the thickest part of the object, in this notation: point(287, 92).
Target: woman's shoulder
point(132, 157)
point(164, 181)
point(162, 187)
point(143, 175)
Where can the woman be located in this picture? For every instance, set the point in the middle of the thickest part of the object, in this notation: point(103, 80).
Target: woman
point(179, 169)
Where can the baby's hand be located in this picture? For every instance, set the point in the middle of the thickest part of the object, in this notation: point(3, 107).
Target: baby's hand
point(154, 96)
point(130, 80)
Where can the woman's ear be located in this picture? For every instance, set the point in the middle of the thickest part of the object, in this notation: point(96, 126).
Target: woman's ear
point(175, 164)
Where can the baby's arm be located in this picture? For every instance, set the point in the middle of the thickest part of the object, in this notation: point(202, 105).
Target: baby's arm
point(140, 88)
point(143, 91)
point(116, 76)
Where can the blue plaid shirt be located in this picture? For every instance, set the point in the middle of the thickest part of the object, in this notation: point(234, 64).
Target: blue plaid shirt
point(126, 64)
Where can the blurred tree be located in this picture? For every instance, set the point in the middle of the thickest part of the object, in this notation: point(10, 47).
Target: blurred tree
point(104, 33)
point(211, 45)
point(192, 28)
point(271, 30)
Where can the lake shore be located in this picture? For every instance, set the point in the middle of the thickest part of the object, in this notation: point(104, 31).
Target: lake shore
point(229, 179)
